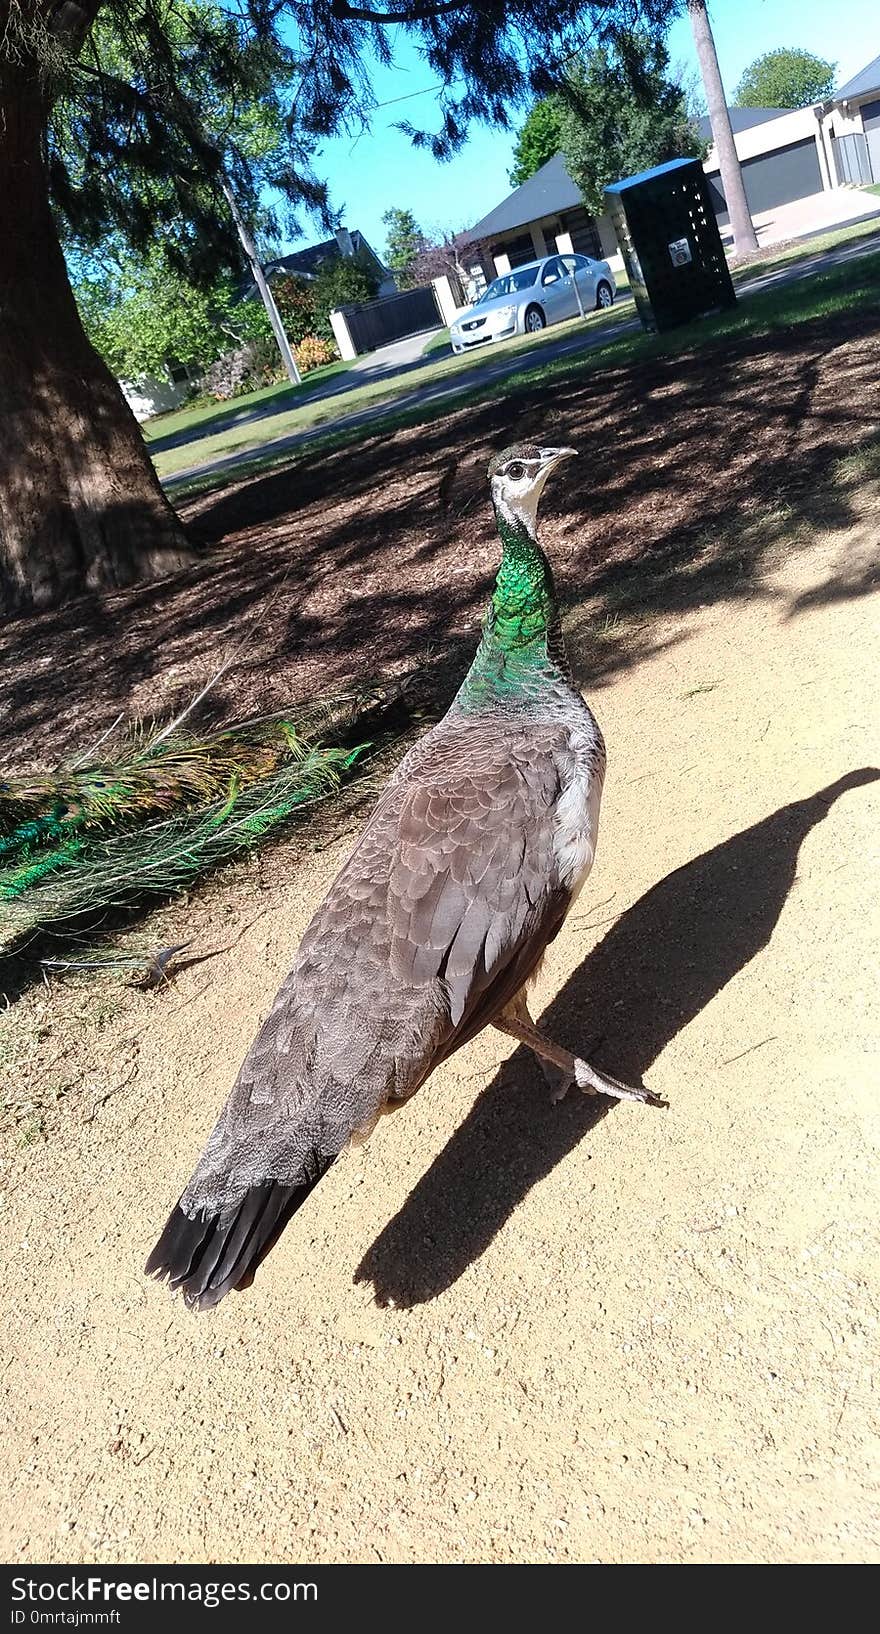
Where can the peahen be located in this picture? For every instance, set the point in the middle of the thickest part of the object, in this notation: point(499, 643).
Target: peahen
point(466, 869)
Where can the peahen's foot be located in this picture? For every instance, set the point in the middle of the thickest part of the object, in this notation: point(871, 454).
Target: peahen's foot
point(595, 1082)
point(558, 1079)
point(562, 1069)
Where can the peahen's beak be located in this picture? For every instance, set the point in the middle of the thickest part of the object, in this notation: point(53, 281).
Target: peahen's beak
point(552, 456)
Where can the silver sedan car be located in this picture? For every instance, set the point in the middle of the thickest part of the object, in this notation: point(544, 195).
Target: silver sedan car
point(524, 301)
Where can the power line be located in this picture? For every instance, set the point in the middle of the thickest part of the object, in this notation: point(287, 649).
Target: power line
point(410, 94)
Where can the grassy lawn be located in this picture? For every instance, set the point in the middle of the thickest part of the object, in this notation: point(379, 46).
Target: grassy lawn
point(213, 416)
point(226, 431)
point(875, 189)
point(839, 290)
point(304, 415)
point(437, 343)
point(801, 248)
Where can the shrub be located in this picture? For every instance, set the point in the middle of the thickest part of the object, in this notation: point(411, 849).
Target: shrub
point(313, 352)
point(244, 369)
point(295, 300)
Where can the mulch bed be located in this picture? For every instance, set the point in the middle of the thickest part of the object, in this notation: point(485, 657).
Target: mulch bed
point(378, 558)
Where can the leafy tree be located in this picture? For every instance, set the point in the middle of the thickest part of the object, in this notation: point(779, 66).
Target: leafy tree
point(122, 118)
point(149, 315)
point(539, 139)
point(692, 89)
point(229, 89)
point(295, 300)
point(341, 282)
point(621, 113)
point(305, 304)
point(442, 255)
point(786, 78)
point(404, 242)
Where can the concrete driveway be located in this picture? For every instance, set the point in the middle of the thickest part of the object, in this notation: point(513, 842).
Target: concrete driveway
point(818, 213)
point(399, 354)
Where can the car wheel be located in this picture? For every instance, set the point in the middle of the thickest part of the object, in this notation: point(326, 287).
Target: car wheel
point(535, 321)
point(604, 296)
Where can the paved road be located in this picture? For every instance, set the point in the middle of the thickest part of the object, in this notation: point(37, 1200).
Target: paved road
point(599, 333)
point(397, 356)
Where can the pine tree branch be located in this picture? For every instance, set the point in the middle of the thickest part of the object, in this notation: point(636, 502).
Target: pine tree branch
point(69, 22)
point(417, 12)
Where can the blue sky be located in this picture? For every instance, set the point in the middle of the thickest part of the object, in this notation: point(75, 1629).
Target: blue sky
point(380, 167)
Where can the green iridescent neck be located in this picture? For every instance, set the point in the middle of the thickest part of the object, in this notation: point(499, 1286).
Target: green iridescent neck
point(519, 620)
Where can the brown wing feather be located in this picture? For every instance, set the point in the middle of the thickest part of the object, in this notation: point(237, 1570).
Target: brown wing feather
point(437, 919)
point(473, 882)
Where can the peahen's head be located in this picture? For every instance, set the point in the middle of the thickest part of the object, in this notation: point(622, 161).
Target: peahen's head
point(517, 476)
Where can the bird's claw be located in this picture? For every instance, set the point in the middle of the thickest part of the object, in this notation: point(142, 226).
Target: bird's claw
point(593, 1082)
point(559, 1084)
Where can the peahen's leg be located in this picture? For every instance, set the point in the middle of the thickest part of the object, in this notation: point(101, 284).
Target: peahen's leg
point(566, 1069)
point(558, 1078)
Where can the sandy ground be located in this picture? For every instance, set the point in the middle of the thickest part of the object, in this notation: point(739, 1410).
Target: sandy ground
point(647, 1336)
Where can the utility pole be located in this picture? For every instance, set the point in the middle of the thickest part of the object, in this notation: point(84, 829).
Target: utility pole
point(744, 238)
point(250, 250)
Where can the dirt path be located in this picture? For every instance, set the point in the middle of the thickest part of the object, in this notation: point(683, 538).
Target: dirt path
point(650, 1337)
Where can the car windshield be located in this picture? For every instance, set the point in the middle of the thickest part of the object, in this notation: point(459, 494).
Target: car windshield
point(508, 284)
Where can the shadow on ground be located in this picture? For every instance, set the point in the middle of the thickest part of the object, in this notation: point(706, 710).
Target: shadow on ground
point(662, 962)
point(693, 469)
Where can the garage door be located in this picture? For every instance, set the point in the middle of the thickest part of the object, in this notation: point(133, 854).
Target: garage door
point(774, 178)
point(871, 123)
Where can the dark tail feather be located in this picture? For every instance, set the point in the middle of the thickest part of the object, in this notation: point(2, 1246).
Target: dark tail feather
point(207, 1255)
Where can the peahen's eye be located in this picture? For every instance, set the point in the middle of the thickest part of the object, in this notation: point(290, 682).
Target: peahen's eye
point(516, 469)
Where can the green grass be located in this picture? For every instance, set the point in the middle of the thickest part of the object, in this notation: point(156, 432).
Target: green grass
point(437, 343)
point(875, 189)
point(214, 416)
point(852, 287)
point(803, 248)
point(305, 415)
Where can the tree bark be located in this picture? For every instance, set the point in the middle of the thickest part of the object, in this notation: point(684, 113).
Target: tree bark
point(81, 507)
point(744, 239)
point(266, 296)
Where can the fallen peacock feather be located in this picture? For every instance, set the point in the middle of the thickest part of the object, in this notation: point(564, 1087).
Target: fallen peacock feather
point(163, 810)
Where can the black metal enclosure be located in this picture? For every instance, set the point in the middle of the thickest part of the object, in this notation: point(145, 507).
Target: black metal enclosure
point(376, 323)
point(667, 231)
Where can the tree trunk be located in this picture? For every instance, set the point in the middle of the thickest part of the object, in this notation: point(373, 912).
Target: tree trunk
point(744, 239)
point(266, 296)
point(80, 504)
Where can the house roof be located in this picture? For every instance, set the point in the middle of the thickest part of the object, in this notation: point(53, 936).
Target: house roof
point(307, 262)
point(742, 119)
point(550, 190)
point(867, 79)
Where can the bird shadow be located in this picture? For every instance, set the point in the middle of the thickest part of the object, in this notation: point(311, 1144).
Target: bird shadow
point(665, 958)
